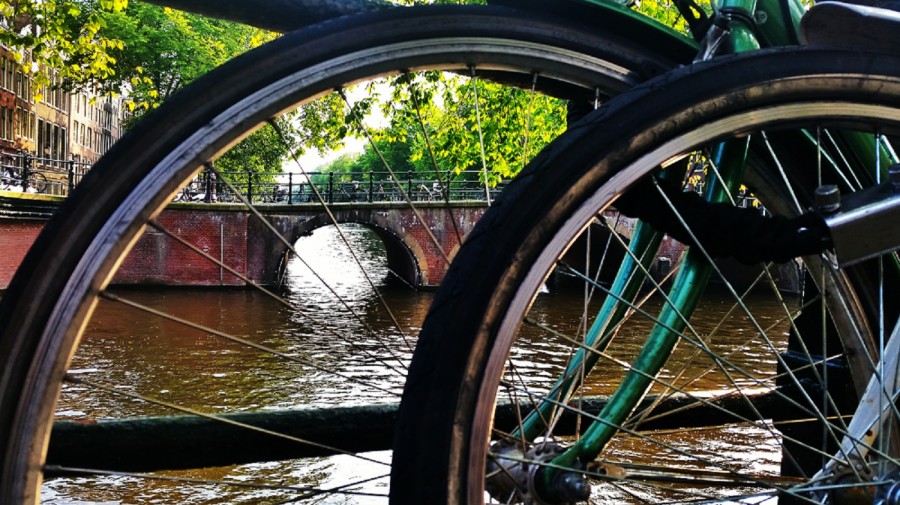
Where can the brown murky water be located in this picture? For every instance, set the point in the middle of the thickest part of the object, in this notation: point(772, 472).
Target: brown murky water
point(150, 356)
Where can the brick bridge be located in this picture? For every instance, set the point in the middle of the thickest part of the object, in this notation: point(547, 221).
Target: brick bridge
point(241, 241)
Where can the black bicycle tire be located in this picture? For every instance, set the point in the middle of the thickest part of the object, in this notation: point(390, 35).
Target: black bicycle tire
point(280, 16)
point(38, 181)
point(47, 269)
point(439, 406)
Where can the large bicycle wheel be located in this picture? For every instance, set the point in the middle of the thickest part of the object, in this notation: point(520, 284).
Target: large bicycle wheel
point(533, 338)
point(146, 351)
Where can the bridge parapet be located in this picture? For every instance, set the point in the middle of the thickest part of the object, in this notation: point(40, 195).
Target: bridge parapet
point(237, 238)
point(243, 242)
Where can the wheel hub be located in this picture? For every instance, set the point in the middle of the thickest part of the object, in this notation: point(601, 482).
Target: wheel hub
point(512, 475)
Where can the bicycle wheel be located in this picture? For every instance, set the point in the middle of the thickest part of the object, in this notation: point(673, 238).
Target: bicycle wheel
point(38, 181)
point(756, 396)
point(67, 275)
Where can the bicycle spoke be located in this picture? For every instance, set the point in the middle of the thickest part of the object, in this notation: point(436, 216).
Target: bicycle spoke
point(484, 169)
point(241, 341)
point(111, 389)
point(293, 306)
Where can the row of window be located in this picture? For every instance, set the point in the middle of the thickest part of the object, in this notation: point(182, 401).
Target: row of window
point(52, 141)
point(52, 138)
point(54, 96)
point(13, 79)
point(87, 137)
point(25, 123)
point(7, 74)
point(92, 110)
point(16, 124)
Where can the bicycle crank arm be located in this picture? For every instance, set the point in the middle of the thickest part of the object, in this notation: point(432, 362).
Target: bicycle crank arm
point(865, 224)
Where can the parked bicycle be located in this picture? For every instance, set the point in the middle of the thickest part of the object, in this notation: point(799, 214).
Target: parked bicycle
point(645, 362)
point(11, 179)
point(482, 418)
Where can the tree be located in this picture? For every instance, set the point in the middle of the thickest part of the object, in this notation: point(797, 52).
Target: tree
point(513, 124)
point(162, 49)
point(154, 51)
point(63, 36)
point(262, 152)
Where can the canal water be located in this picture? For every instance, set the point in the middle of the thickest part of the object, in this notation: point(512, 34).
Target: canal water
point(153, 357)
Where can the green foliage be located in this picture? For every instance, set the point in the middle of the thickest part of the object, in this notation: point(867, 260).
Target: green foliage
point(62, 35)
point(116, 45)
point(146, 51)
point(665, 12)
point(512, 124)
point(429, 124)
point(162, 50)
point(433, 127)
point(262, 153)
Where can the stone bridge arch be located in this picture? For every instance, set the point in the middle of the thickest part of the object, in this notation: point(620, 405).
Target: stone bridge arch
point(246, 243)
point(404, 257)
point(411, 252)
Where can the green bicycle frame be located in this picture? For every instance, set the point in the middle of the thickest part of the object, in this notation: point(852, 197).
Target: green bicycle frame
point(751, 25)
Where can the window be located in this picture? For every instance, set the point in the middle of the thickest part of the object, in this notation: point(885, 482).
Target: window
point(22, 123)
point(10, 74)
point(40, 137)
point(23, 86)
point(6, 123)
point(10, 124)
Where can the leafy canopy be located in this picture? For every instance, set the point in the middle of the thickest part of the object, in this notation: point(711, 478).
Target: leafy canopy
point(63, 35)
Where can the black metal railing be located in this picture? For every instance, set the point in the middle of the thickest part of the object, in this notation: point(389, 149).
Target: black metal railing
point(23, 172)
point(290, 188)
point(26, 173)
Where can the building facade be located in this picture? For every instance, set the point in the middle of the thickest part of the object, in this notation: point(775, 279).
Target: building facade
point(61, 132)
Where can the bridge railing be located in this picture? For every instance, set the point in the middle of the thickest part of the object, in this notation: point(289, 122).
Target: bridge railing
point(334, 187)
point(26, 173)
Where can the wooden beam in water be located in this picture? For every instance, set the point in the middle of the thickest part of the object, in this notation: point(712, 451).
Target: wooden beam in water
point(181, 442)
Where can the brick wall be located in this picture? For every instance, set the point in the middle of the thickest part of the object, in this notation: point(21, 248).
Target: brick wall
point(159, 259)
point(16, 236)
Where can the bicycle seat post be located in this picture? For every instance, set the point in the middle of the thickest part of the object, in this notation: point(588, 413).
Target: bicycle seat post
point(741, 26)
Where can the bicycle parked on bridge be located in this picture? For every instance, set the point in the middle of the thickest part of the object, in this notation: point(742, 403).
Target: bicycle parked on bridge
point(485, 419)
point(13, 176)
